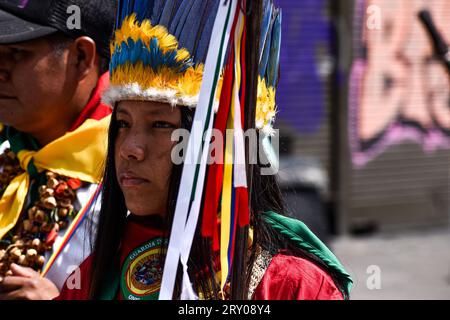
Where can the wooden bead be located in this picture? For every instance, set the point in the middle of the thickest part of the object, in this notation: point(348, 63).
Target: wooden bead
point(23, 260)
point(65, 203)
point(2, 254)
point(36, 243)
point(40, 261)
point(50, 203)
point(48, 193)
point(63, 212)
point(11, 155)
point(39, 216)
point(62, 225)
point(52, 183)
point(19, 243)
point(42, 189)
point(15, 254)
point(32, 255)
point(27, 225)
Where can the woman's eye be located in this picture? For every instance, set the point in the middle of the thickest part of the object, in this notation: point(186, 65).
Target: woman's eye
point(163, 125)
point(122, 124)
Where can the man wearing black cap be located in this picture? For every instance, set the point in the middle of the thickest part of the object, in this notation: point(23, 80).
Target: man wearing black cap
point(54, 57)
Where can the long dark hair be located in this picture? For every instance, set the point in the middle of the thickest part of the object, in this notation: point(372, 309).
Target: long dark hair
point(112, 221)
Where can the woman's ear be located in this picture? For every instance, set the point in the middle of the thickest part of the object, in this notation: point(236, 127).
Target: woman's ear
point(83, 53)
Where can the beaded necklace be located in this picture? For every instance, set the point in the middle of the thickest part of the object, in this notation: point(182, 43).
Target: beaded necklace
point(50, 210)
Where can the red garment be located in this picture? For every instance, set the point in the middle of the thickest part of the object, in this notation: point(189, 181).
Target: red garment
point(287, 277)
point(293, 278)
point(137, 231)
point(72, 290)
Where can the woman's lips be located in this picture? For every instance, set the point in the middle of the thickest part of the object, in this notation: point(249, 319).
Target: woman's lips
point(130, 180)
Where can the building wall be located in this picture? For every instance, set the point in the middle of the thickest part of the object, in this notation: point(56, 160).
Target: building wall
point(379, 124)
point(398, 117)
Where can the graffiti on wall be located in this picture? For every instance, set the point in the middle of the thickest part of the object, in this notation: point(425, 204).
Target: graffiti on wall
point(306, 34)
point(398, 91)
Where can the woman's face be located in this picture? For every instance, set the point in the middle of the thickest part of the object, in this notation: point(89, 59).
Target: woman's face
point(143, 154)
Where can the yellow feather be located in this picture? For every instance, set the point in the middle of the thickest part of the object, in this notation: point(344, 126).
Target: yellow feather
point(265, 105)
point(182, 55)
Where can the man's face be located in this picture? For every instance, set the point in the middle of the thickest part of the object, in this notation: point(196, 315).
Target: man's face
point(33, 85)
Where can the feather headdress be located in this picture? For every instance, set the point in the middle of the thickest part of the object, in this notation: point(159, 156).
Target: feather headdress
point(193, 53)
point(160, 46)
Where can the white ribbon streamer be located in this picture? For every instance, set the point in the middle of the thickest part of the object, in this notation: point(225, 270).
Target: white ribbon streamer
point(183, 229)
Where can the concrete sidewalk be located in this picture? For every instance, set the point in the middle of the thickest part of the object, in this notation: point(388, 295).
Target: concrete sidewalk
point(412, 265)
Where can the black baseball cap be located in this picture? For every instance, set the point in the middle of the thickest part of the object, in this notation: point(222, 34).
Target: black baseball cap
point(24, 20)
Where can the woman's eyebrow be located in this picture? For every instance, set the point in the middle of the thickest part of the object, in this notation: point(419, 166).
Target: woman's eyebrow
point(161, 111)
point(158, 112)
point(122, 111)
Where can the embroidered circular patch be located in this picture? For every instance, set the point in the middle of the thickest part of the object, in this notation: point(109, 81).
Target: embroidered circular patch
point(142, 272)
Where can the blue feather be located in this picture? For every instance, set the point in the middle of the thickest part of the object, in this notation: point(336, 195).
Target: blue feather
point(274, 59)
point(203, 44)
point(168, 12)
point(157, 10)
point(121, 13)
point(267, 18)
point(143, 9)
point(128, 8)
point(146, 58)
point(154, 54)
point(266, 52)
point(124, 56)
point(192, 27)
point(179, 20)
point(170, 58)
point(136, 52)
point(113, 62)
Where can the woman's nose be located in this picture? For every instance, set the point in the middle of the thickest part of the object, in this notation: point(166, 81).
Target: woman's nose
point(132, 149)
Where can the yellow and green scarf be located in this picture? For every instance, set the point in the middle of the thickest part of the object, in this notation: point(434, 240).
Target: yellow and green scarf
point(78, 154)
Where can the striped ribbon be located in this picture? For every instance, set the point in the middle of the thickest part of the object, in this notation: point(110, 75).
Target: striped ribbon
point(76, 223)
point(234, 192)
point(191, 185)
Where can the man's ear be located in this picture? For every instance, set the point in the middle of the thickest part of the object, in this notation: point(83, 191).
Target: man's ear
point(83, 53)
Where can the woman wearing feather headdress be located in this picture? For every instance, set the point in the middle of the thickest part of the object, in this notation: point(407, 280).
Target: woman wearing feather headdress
point(189, 230)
